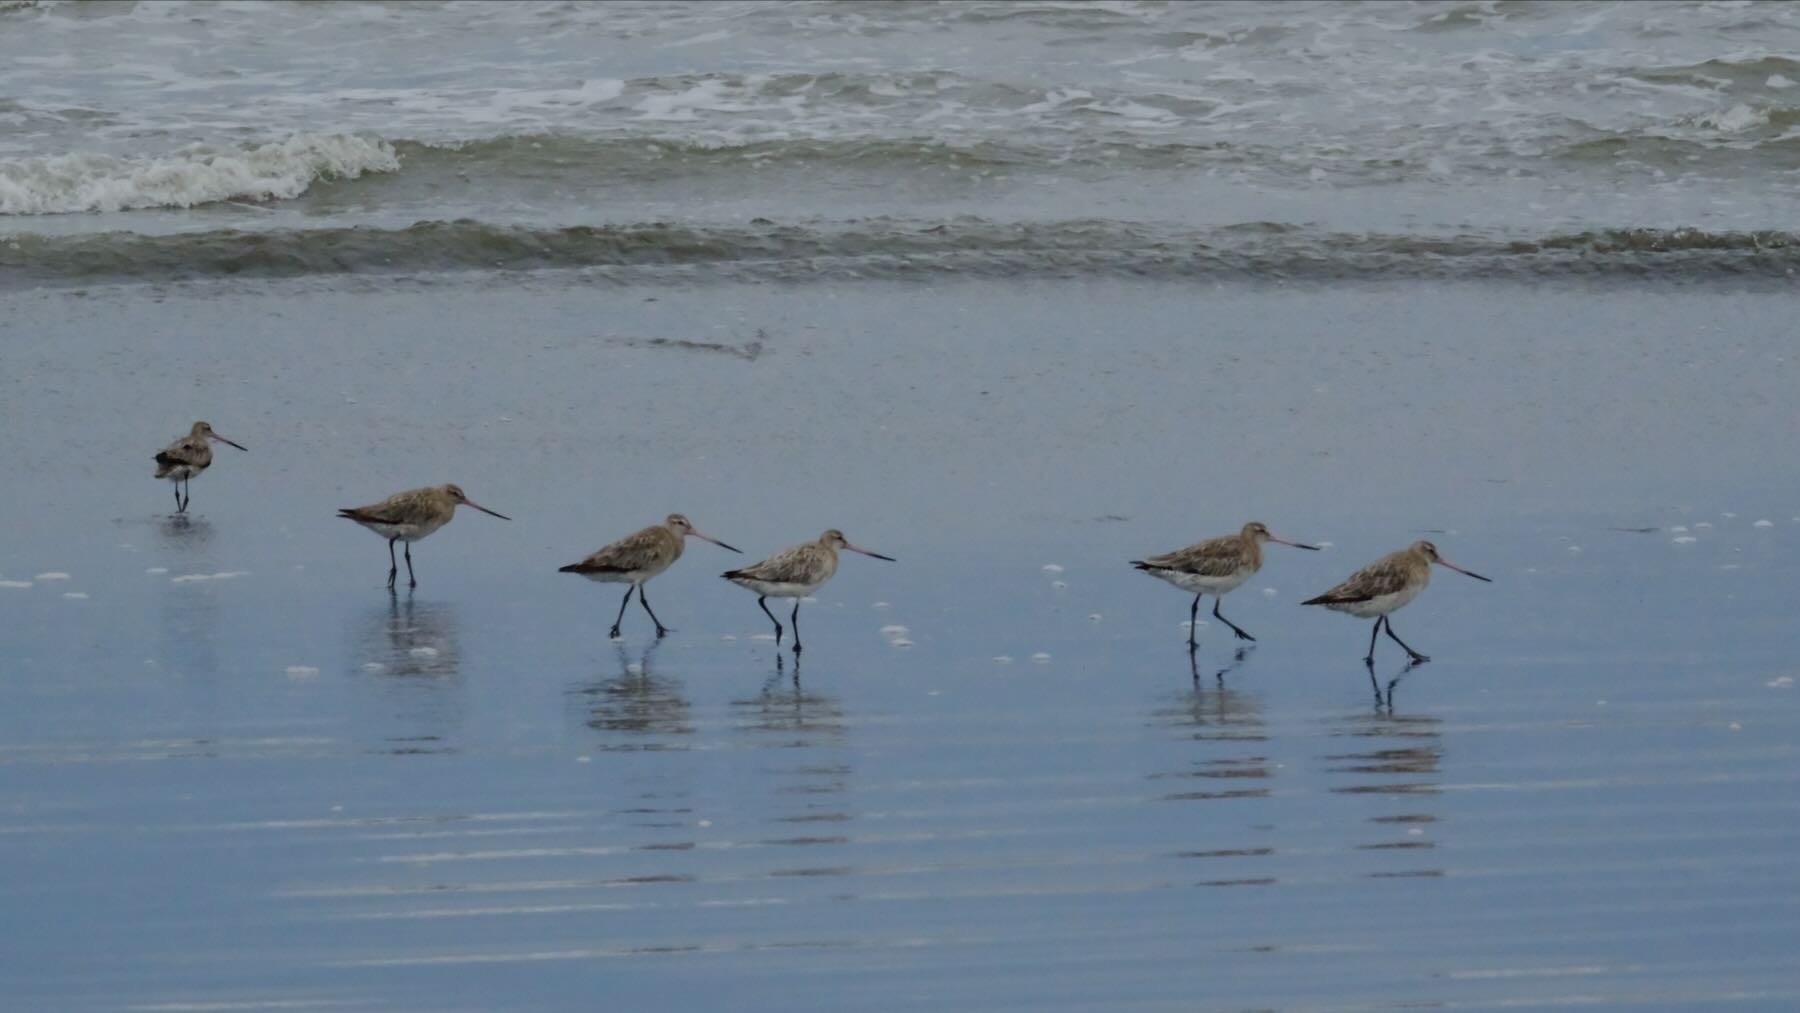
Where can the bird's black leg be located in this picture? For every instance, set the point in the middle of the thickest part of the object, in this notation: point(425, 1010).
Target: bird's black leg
point(614, 632)
point(1241, 635)
point(795, 619)
point(393, 564)
point(1414, 655)
point(1376, 632)
point(1193, 621)
point(661, 630)
point(763, 603)
point(1373, 682)
point(177, 487)
point(411, 581)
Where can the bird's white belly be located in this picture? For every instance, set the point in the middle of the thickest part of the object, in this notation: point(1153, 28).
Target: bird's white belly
point(771, 589)
point(621, 576)
point(1381, 604)
point(182, 472)
point(1195, 583)
point(404, 532)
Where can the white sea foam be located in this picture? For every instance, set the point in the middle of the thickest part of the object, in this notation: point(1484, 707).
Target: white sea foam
point(53, 575)
point(157, 571)
point(423, 652)
point(1003, 659)
point(301, 672)
point(1764, 523)
point(15, 583)
point(1052, 568)
point(75, 595)
point(894, 630)
point(1737, 118)
point(1041, 657)
point(77, 182)
point(189, 578)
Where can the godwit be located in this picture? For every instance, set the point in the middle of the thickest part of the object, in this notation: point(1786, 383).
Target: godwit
point(1215, 566)
point(795, 573)
point(1385, 585)
point(180, 461)
point(636, 558)
point(409, 516)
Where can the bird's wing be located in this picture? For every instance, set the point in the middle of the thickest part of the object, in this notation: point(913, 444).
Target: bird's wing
point(182, 451)
point(1384, 576)
point(389, 511)
point(789, 566)
point(1215, 557)
point(635, 551)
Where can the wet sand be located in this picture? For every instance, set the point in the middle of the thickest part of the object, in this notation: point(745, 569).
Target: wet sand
point(278, 785)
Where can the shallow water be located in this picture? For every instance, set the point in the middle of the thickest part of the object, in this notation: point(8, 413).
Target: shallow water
point(281, 787)
point(1014, 292)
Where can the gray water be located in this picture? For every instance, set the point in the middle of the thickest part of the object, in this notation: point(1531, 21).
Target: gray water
point(1013, 293)
point(236, 771)
point(897, 138)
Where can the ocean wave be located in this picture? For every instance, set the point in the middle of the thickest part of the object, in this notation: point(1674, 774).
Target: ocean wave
point(895, 249)
point(65, 184)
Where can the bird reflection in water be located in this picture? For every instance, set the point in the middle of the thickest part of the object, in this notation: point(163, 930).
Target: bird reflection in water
point(188, 630)
point(1238, 657)
point(1387, 701)
point(185, 533)
point(810, 784)
point(785, 705)
point(1214, 714)
point(1395, 762)
point(637, 709)
point(412, 647)
point(1226, 758)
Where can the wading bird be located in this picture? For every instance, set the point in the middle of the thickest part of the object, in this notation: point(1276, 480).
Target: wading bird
point(636, 558)
point(180, 461)
point(409, 516)
point(1385, 585)
point(1216, 567)
point(795, 573)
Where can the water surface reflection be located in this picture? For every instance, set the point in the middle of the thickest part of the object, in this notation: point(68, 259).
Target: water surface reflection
point(1227, 759)
point(1394, 762)
point(810, 782)
point(638, 708)
point(411, 655)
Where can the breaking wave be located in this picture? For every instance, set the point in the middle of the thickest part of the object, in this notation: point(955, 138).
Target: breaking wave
point(71, 183)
